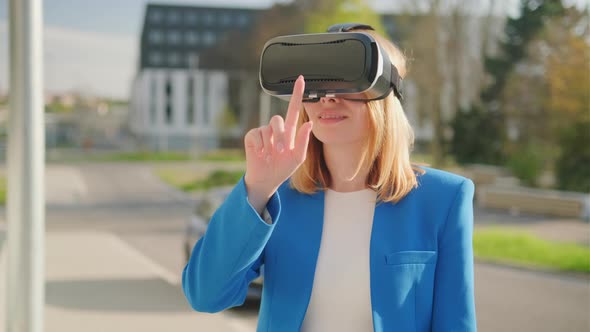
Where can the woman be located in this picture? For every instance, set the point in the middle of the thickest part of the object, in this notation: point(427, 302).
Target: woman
point(351, 235)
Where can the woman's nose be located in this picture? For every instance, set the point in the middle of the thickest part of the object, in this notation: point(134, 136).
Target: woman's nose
point(329, 100)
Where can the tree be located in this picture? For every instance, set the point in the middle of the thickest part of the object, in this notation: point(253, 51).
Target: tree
point(319, 15)
point(473, 141)
point(424, 45)
point(546, 95)
point(438, 36)
point(567, 64)
point(519, 32)
point(572, 169)
point(567, 96)
point(549, 89)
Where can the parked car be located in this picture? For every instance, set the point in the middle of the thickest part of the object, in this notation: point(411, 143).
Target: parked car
point(197, 226)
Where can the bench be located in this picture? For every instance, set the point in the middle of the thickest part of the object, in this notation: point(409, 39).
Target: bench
point(535, 201)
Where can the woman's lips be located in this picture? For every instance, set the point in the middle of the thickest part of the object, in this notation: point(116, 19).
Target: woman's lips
point(331, 120)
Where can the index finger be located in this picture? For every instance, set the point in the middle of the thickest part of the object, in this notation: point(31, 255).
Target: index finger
point(293, 109)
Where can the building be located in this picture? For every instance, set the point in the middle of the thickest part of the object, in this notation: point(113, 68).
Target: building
point(177, 103)
point(189, 76)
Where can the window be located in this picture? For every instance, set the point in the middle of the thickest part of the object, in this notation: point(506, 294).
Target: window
point(192, 60)
point(190, 112)
point(155, 36)
point(205, 98)
point(243, 19)
point(173, 17)
point(168, 87)
point(191, 18)
point(155, 58)
point(183, 59)
point(168, 113)
point(155, 16)
point(174, 37)
point(191, 37)
point(153, 94)
point(209, 18)
point(209, 37)
point(226, 19)
point(173, 59)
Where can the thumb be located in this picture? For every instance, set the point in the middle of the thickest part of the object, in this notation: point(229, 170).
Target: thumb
point(302, 140)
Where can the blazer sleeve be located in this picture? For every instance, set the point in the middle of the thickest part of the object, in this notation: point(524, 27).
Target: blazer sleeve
point(454, 302)
point(229, 255)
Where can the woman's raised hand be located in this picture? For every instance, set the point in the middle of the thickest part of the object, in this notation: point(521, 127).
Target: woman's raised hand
point(275, 151)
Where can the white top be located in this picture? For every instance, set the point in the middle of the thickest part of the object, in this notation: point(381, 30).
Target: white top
point(341, 296)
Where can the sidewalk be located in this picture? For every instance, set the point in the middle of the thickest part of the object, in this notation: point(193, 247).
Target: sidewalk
point(96, 282)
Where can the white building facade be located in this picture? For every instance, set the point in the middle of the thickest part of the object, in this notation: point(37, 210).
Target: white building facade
point(176, 109)
point(176, 105)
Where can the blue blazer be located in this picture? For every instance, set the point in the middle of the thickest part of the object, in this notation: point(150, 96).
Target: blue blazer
point(421, 257)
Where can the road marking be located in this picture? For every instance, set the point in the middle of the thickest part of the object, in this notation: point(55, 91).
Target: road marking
point(237, 323)
point(171, 278)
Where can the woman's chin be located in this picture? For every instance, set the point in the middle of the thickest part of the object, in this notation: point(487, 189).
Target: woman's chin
point(335, 141)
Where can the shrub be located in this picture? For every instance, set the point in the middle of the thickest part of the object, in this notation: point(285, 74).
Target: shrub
point(572, 169)
point(526, 164)
point(477, 137)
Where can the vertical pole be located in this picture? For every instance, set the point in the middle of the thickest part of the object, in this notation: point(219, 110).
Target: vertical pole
point(26, 158)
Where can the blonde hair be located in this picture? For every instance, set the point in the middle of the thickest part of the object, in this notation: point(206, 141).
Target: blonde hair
point(389, 144)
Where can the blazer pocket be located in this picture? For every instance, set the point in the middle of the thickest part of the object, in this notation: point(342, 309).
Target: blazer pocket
point(411, 257)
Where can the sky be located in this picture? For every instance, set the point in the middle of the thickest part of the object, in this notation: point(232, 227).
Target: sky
point(92, 46)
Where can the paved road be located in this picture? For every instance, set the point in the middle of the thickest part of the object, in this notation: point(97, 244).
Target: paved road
point(118, 270)
point(105, 184)
point(113, 264)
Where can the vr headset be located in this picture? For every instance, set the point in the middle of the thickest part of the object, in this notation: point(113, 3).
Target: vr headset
point(340, 63)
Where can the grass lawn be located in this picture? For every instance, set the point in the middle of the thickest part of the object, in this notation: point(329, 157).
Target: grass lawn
point(189, 182)
point(224, 155)
point(229, 155)
point(215, 179)
point(504, 245)
point(144, 156)
point(179, 177)
point(2, 191)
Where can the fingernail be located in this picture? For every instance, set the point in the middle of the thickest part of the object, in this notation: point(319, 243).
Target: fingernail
point(280, 147)
point(300, 77)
